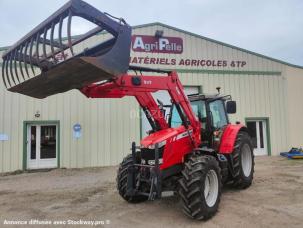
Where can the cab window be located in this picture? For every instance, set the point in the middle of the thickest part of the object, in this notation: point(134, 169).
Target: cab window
point(175, 118)
point(199, 110)
point(218, 113)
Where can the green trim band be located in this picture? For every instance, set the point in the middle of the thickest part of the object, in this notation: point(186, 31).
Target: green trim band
point(25, 123)
point(205, 71)
point(239, 72)
point(4, 48)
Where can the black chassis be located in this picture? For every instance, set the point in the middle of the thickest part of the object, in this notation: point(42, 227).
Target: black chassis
point(162, 180)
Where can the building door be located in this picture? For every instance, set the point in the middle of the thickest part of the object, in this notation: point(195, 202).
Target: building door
point(164, 97)
point(258, 130)
point(42, 146)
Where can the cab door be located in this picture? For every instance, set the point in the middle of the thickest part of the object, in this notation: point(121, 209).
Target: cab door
point(163, 96)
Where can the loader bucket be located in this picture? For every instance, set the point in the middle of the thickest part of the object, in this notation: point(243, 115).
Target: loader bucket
point(44, 63)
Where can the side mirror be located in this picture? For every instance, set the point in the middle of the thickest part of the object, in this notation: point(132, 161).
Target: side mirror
point(231, 107)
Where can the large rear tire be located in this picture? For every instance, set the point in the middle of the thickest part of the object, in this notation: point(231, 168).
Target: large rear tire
point(243, 161)
point(200, 187)
point(122, 181)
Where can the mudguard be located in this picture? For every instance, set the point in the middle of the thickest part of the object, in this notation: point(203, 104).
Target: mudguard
point(229, 137)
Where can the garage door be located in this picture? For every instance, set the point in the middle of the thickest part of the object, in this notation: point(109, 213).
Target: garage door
point(165, 98)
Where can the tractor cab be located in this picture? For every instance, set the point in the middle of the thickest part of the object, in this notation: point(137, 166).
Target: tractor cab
point(212, 112)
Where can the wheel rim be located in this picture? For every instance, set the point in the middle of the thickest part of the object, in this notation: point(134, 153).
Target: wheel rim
point(246, 160)
point(211, 188)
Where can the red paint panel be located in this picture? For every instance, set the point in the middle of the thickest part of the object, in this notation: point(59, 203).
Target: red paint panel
point(176, 145)
point(175, 150)
point(160, 136)
point(152, 44)
point(229, 137)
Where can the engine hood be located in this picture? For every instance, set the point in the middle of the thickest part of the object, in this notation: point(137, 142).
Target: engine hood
point(160, 136)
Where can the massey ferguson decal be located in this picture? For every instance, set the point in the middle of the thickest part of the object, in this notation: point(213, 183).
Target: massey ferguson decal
point(152, 44)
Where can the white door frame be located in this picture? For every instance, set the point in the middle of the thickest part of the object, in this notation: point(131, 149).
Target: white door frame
point(265, 150)
point(39, 163)
point(259, 150)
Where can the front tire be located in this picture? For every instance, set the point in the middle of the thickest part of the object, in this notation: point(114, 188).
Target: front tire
point(200, 187)
point(243, 161)
point(122, 181)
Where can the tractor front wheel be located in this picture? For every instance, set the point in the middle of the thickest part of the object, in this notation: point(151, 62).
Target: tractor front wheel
point(200, 186)
point(122, 181)
point(243, 161)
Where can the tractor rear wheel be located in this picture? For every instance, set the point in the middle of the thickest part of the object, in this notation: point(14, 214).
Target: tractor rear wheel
point(122, 181)
point(200, 186)
point(243, 161)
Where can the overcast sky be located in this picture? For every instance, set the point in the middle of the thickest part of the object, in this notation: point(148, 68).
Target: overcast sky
point(270, 27)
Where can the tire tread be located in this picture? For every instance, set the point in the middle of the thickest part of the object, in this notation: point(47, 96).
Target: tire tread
point(190, 189)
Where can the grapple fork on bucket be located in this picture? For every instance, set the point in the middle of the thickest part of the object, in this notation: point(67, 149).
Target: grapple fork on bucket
point(44, 63)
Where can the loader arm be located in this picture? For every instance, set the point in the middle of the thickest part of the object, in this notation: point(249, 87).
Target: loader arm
point(141, 88)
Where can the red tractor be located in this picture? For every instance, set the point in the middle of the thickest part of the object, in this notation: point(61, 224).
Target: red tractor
point(192, 152)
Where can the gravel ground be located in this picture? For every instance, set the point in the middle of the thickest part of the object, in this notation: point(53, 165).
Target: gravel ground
point(76, 195)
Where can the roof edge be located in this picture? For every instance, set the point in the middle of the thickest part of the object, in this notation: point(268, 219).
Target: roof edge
point(205, 38)
point(218, 42)
point(4, 48)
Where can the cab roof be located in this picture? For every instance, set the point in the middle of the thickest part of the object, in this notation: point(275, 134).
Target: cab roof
point(208, 97)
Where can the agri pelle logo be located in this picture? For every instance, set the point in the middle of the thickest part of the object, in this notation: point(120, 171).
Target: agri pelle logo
point(152, 44)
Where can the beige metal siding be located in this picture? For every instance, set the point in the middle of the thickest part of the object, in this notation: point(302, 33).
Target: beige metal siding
point(109, 126)
point(294, 105)
point(256, 95)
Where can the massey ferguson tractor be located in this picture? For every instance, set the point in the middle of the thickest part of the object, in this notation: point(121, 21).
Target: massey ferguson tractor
point(192, 150)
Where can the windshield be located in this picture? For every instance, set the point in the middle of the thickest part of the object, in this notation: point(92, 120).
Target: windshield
point(198, 108)
point(218, 113)
point(216, 107)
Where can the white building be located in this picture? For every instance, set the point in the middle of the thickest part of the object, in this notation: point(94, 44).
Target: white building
point(83, 132)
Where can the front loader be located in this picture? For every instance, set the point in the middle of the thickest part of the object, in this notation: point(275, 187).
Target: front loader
point(193, 152)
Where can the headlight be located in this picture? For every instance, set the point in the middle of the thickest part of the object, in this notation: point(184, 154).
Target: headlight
point(160, 144)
